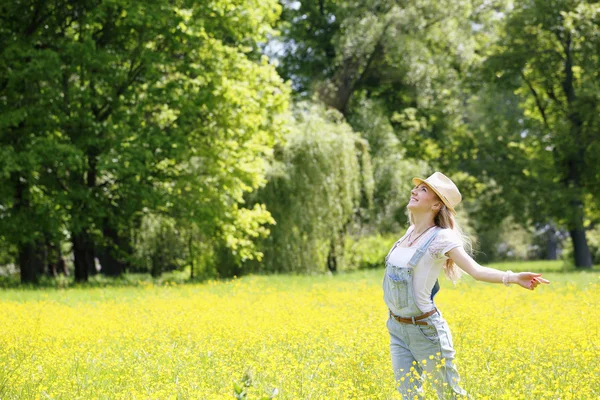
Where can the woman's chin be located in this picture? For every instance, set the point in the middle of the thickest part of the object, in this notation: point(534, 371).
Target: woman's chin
point(414, 207)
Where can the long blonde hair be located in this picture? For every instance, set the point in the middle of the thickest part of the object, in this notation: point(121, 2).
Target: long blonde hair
point(445, 219)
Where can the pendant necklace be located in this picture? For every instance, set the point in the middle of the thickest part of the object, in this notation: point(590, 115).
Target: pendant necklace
point(411, 242)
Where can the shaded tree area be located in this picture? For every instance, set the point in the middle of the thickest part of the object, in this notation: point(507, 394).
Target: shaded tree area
point(552, 66)
point(397, 71)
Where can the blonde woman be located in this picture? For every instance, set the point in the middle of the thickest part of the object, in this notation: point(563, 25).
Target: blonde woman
point(417, 329)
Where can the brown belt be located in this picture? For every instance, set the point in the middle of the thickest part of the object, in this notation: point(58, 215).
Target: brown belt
point(414, 320)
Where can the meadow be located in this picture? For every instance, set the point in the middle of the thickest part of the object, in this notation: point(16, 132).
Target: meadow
point(292, 337)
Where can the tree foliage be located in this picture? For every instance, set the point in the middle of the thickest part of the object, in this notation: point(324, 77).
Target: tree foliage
point(319, 181)
point(548, 55)
point(528, 137)
point(397, 71)
point(114, 109)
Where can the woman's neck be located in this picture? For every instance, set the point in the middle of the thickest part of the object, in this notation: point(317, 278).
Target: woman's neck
point(422, 222)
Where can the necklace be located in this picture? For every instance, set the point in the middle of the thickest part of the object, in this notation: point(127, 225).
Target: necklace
point(411, 241)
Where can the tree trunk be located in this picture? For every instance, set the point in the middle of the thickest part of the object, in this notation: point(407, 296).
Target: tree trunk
point(112, 264)
point(157, 264)
point(551, 244)
point(53, 256)
point(575, 164)
point(583, 258)
point(332, 257)
point(83, 252)
point(42, 255)
point(31, 253)
point(336, 247)
point(56, 261)
point(31, 261)
point(191, 252)
point(86, 244)
point(353, 73)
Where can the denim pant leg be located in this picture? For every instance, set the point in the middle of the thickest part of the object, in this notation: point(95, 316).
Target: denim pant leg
point(408, 382)
point(435, 340)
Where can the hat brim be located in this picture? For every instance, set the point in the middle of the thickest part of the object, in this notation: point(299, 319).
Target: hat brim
point(417, 181)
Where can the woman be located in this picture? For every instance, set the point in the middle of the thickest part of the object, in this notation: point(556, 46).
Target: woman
point(420, 341)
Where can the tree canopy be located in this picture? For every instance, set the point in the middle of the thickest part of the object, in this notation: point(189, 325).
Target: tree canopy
point(115, 109)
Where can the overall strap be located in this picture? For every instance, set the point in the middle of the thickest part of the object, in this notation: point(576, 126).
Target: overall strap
point(421, 250)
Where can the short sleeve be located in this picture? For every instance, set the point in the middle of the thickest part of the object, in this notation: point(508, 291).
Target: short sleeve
point(445, 241)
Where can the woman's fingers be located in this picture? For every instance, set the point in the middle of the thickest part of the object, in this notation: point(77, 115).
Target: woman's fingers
point(532, 285)
point(536, 281)
point(538, 278)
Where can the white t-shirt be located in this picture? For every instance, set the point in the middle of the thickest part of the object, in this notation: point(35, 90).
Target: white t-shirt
point(428, 269)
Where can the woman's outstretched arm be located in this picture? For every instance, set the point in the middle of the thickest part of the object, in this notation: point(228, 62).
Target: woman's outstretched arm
point(528, 280)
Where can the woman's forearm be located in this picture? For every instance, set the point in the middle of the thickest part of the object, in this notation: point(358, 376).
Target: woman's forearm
point(492, 275)
point(480, 273)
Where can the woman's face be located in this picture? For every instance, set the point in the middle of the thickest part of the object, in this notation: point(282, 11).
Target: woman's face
point(422, 198)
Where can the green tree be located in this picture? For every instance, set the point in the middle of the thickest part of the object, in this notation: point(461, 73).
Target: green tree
point(319, 181)
point(397, 72)
point(548, 55)
point(139, 108)
point(33, 153)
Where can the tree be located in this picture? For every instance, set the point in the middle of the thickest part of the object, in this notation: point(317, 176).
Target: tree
point(142, 108)
point(32, 151)
point(317, 184)
point(548, 54)
point(396, 71)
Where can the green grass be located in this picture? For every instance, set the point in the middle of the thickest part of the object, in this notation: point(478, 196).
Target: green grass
point(538, 266)
point(130, 286)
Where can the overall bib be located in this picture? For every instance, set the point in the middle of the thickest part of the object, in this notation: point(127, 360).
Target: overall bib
point(424, 347)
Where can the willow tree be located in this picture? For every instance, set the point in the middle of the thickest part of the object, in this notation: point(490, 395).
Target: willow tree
point(320, 179)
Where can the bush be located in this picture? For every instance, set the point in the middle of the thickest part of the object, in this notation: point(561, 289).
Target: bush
point(368, 251)
point(159, 246)
point(508, 241)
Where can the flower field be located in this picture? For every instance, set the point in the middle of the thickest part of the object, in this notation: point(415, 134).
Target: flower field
point(290, 337)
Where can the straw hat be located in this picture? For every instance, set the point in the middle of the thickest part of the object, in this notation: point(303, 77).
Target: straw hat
point(443, 187)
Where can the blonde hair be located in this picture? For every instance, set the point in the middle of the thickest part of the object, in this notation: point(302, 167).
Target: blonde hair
point(445, 219)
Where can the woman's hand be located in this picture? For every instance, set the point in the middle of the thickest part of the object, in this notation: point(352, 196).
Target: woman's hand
point(528, 280)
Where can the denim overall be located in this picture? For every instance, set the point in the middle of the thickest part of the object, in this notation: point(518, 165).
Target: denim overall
point(412, 344)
